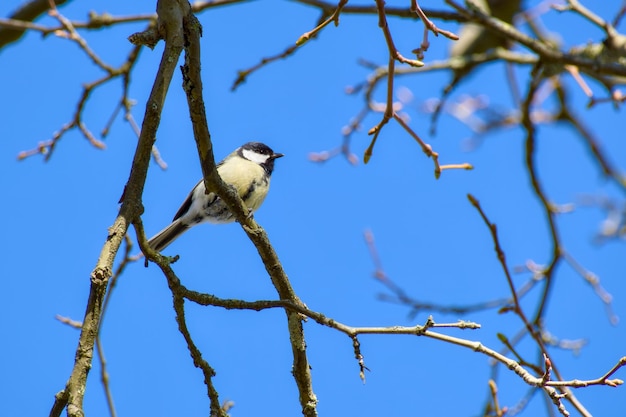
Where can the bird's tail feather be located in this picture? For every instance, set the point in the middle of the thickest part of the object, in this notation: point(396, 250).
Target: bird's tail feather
point(166, 236)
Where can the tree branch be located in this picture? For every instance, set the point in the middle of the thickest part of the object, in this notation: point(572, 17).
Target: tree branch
point(27, 12)
point(192, 84)
point(547, 52)
point(417, 330)
point(170, 28)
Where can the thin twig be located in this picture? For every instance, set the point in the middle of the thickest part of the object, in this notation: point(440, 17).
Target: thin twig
point(334, 17)
point(401, 297)
point(530, 157)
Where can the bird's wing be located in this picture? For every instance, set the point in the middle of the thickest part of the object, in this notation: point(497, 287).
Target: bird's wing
point(184, 208)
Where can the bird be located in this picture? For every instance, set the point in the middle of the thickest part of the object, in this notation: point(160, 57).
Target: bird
point(476, 39)
point(248, 169)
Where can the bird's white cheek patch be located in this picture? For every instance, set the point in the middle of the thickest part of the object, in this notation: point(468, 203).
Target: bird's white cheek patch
point(254, 156)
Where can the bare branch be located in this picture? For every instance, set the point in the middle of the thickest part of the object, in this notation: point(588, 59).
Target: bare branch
point(26, 13)
point(417, 330)
point(334, 17)
point(192, 85)
point(72, 396)
point(389, 11)
point(547, 52)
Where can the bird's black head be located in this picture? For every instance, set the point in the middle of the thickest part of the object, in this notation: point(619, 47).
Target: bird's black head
point(261, 154)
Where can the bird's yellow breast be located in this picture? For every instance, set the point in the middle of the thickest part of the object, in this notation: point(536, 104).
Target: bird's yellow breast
point(249, 179)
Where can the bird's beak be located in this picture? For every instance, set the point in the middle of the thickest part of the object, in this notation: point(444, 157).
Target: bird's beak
point(278, 155)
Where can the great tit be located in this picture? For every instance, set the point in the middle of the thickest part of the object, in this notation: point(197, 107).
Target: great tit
point(248, 169)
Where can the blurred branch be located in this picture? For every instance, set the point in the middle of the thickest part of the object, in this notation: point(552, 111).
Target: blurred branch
point(547, 52)
point(66, 320)
point(13, 28)
point(381, 73)
point(104, 374)
point(401, 297)
point(201, 5)
point(96, 21)
point(389, 11)
point(104, 377)
point(26, 13)
point(530, 156)
point(599, 156)
point(566, 344)
point(614, 224)
point(495, 402)
point(577, 7)
point(344, 148)
point(594, 281)
point(619, 15)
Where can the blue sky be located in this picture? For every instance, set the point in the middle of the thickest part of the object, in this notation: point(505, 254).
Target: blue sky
point(431, 240)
